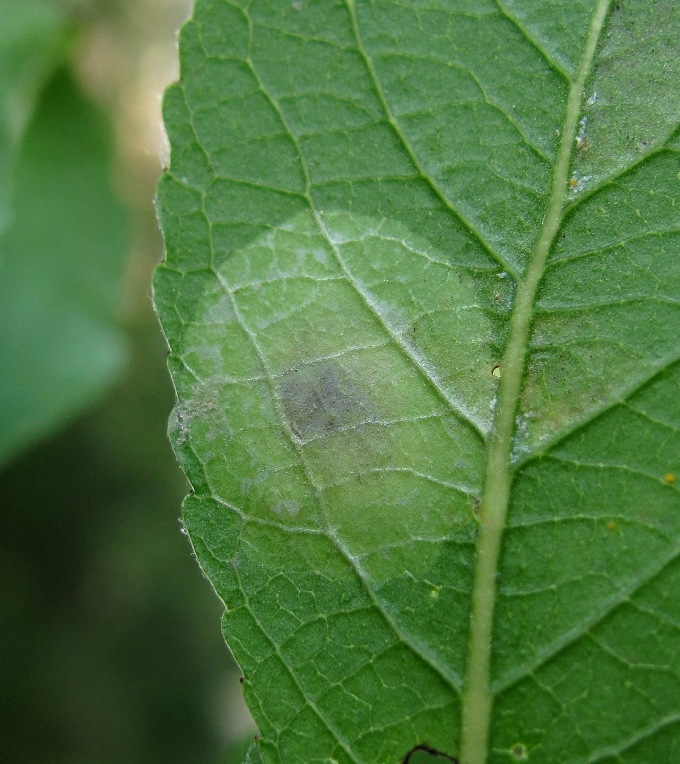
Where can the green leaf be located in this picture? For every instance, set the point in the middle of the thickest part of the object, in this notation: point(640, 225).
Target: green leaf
point(422, 296)
point(253, 755)
point(61, 263)
point(31, 34)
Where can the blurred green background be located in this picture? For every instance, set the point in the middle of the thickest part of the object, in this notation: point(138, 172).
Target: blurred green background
point(110, 646)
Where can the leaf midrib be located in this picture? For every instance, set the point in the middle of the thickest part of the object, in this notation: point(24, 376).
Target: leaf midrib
point(477, 696)
point(477, 700)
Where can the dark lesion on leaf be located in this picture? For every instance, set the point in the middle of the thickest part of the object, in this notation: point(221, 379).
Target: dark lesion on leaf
point(320, 399)
point(433, 753)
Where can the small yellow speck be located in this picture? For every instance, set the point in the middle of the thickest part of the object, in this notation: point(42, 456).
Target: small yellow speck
point(434, 593)
point(669, 477)
point(612, 525)
point(573, 183)
point(496, 372)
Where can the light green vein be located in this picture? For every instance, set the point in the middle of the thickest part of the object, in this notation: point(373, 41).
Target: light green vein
point(375, 81)
point(419, 649)
point(639, 737)
point(622, 596)
point(307, 701)
point(533, 41)
point(448, 676)
point(344, 744)
point(607, 181)
point(466, 416)
point(559, 436)
point(477, 697)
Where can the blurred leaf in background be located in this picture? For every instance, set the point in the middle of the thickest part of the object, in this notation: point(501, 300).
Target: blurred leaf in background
point(108, 638)
point(65, 238)
point(31, 35)
point(63, 260)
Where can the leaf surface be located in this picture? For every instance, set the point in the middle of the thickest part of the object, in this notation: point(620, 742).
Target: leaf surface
point(31, 33)
point(422, 298)
point(61, 264)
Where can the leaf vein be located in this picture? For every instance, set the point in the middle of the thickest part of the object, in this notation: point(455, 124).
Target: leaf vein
point(620, 597)
point(506, 264)
point(559, 436)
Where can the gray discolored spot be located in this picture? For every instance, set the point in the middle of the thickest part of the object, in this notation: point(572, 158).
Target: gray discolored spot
point(323, 398)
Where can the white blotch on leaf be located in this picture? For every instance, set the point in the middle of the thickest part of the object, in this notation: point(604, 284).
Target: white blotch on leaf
point(286, 506)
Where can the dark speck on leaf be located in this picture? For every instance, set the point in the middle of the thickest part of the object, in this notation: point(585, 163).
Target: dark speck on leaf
point(430, 754)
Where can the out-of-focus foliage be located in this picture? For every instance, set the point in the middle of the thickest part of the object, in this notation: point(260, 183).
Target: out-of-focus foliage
point(63, 258)
point(64, 234)
point(108, 646)
point(31, 35)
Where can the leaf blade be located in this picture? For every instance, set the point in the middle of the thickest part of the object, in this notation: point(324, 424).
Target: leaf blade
point(60, 344)
point(369, 256)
